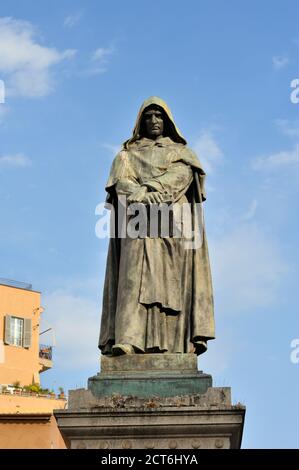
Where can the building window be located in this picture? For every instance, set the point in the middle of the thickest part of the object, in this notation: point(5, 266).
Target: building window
point(16, 331)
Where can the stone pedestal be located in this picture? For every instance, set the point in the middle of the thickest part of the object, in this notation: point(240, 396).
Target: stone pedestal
point(151, 401)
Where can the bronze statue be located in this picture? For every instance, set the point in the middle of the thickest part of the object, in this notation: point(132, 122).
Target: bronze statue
point(158, 293)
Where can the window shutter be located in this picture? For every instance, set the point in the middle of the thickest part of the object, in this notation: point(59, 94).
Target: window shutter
point(27, 333)
point(7, 336)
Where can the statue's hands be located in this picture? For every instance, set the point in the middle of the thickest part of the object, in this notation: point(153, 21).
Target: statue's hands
point(153, 198)
point(144, 196)
point(138, 195)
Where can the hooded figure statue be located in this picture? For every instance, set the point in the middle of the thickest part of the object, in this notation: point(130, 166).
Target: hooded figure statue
point(158, 292)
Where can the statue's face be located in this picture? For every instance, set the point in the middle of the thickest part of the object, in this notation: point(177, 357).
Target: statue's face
point(153, 121)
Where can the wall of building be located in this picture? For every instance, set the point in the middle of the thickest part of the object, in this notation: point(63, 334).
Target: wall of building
point(18, 363)
point(29, 404)
point(30, 432)
point(28, 422)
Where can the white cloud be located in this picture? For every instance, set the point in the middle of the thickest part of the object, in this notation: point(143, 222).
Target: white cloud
point(285, 158)
point(113, 149)
point(287, 127)
point(76, 323)
point(208, 150)
point(99, 60)
point(17, 160)
point(247, 267)
point(72, 20)
point(101, 53)
point(279, 61)
point(25, 64)
point(251, 211)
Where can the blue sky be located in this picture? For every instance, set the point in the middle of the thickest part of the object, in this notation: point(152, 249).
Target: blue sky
point(76, 73)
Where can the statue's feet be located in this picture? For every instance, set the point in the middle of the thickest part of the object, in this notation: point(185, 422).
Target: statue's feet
point(120, 349)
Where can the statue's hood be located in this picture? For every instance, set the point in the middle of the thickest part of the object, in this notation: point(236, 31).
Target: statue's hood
point(176, 135)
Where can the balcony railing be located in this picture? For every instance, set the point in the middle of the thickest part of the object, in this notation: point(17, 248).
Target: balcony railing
point(4, 390)
point(45, 352)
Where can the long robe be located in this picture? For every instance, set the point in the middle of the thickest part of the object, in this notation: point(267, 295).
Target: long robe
point(157, 294)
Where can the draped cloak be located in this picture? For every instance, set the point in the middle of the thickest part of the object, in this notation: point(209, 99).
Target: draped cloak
point(157, 293)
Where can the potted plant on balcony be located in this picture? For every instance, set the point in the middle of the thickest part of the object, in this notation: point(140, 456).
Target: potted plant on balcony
point(61, 393)
point(17, 387)
point(35, 388)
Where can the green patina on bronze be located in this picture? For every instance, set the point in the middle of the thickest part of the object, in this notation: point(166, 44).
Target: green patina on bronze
point(147, 375)
point(146, 387)
point(157, 294)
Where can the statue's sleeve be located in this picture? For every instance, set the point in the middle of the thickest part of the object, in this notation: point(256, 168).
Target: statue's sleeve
point(177, 178)
point(172, 183)
point(121, 178)
point(189, 156)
